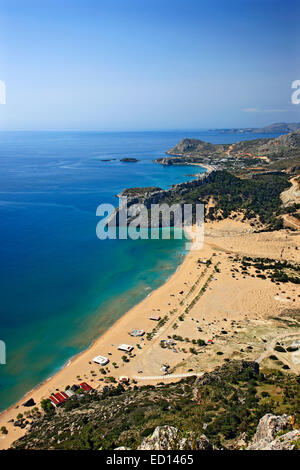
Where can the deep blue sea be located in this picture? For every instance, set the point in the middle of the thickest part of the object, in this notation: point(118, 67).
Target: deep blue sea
point(60, 286)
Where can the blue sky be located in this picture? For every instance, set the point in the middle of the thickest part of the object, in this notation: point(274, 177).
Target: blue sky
point(148, 64)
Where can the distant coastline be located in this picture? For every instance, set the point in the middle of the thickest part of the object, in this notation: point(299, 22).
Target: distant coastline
point(282, 128)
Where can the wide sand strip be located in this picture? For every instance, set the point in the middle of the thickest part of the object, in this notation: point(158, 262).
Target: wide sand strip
point(225, 299)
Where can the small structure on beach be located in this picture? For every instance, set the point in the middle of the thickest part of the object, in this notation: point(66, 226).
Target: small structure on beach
point(168, 342)
point(125, 347)
point(101, 360)
point(55, 401)
point(86, 387)
point(155, 317)
point(58, 398)
point(137, 332)
point(165, 368)
point(123, 379)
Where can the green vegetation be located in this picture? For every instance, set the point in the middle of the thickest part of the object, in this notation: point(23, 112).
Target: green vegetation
point(229, 400)
point(277, 271)
point(160, 323)
point(140, 191)
point(280, 153)
point(279, 349)
point(47, 406)
point(4, 430)
point(258, 196)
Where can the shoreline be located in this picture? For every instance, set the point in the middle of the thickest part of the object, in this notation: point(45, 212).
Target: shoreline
point(7, 414)
point(39, 391)
point(256, 302)
point(73, 358)
point(70, 361)
point(170, 299)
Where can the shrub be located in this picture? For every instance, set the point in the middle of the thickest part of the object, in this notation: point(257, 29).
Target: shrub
point(70, 405)
point(279, 349)
point(193, 351)
point(111, 379)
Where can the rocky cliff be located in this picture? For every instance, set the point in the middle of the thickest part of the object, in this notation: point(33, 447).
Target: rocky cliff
point(271, 434)
point(149, 196)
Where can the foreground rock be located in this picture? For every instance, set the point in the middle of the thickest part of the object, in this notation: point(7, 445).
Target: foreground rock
point(169, 438)
point(288, 441)
point(266, 436)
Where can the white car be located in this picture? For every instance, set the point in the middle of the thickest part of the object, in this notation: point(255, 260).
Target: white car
point(125, 347)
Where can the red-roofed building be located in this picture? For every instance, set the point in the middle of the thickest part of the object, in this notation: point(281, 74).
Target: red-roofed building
point(54, 400)
point(60, 397)
point(86, 387)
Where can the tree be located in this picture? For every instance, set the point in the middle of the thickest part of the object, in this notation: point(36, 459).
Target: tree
point(47, 406)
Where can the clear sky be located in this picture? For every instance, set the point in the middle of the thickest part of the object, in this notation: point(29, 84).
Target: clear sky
point(148, 64)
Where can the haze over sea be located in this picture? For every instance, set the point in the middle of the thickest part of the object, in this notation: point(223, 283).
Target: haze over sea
point(60, 286)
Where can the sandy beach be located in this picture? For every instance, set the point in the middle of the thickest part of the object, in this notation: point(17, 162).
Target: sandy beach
point(227, 302)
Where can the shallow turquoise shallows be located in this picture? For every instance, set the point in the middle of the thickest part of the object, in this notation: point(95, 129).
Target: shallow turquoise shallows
point(60, 286)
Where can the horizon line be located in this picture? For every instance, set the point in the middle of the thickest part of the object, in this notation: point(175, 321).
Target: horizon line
point(192, 129)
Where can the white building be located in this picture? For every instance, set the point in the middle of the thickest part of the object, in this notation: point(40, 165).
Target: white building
point(101, 360)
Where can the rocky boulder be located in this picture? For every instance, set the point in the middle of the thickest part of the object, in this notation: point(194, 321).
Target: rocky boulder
point(201, 443)
point(288, 441)
point(267, 430)
point(169, 438)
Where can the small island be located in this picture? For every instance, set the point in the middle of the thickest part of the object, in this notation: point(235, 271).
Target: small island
point(129, 160)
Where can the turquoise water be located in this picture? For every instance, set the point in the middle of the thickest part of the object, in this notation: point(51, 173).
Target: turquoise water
point(60, 286)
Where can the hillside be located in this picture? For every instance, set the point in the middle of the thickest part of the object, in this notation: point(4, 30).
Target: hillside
point(257, 198)
point(226, 405)
point(257, 154)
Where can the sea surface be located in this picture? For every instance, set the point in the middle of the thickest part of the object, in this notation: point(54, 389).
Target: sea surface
point(60, 286)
